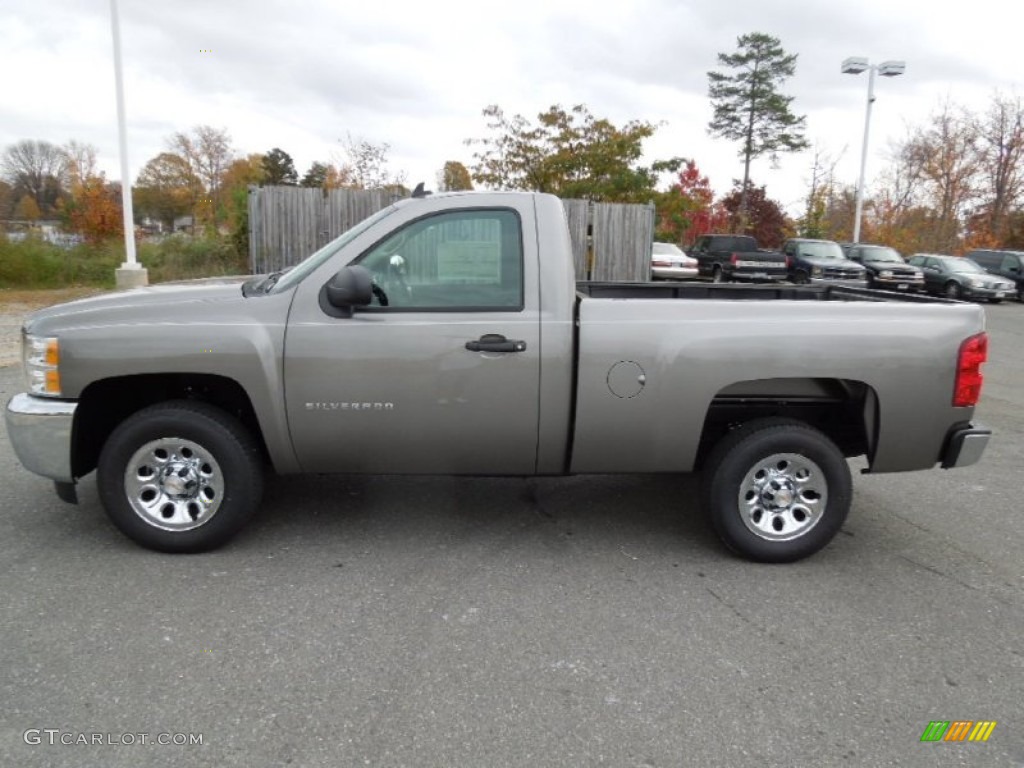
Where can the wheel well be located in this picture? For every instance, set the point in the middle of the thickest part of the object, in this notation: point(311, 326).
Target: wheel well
point(844, 410)
point(105, 404)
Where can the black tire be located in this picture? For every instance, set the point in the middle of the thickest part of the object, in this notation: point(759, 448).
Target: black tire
point(776, 456)
point(717, 275)
point(198, 476)
point(995, 301)
point(952, 290)
point(801, 278)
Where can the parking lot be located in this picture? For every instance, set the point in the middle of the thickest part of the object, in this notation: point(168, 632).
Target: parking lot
point(392, 621)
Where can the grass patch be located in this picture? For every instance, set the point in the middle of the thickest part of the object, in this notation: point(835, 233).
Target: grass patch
point(34, 264)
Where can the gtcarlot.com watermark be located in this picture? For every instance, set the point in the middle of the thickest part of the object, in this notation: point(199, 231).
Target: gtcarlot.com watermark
point(55, 736)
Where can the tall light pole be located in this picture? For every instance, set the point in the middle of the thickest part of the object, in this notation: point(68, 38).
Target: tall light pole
point(131, 274)
point(854, 66)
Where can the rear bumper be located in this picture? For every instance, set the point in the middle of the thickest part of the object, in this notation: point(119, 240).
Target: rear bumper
point(964, 446)
point(754, 275)
point(40, 433)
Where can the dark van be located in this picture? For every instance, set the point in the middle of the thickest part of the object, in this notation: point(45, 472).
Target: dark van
point(1008, 264)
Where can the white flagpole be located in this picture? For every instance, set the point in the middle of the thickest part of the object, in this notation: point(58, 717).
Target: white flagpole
point(131, 273)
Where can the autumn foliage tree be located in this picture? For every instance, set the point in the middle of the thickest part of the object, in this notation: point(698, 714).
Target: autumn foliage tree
point(570, 153)
point(94, 210)
point(454, 176)
point(766, 221)
point(687, 209)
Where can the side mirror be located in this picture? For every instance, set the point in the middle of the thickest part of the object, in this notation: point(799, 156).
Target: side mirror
point(351, 287)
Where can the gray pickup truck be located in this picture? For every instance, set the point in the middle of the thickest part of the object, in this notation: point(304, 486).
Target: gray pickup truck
point(447, 335)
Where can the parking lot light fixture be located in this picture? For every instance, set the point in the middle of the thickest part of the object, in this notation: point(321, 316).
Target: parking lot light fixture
point(854, 65)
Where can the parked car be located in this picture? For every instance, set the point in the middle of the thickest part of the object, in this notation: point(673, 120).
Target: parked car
point(1008, 264)
point(821, 261)
point(958, 278)
point(668, 262)
point(737, 257)
point(886, 268)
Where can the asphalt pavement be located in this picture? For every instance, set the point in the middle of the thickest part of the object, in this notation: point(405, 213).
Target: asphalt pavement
point(584, 621)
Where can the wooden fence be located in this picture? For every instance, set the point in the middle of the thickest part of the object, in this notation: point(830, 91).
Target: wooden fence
point(610, 241)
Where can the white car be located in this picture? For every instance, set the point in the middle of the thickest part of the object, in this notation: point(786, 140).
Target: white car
point(668, 262)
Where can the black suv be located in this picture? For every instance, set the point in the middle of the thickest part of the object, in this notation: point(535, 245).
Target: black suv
point(815, 261)
point(1008, 264)
point(886, 268)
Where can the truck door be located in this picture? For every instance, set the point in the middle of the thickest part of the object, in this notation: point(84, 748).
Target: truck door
point(441, 373)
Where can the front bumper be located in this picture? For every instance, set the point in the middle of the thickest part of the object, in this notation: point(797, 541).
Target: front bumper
point(898, 283)
point(845, 282)
point(40, 432)
point(988, 293)
point(964, 446)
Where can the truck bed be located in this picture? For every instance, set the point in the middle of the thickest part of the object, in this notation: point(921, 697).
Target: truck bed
point(748, 292)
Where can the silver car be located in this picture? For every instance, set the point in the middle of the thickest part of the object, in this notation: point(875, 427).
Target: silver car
point(668, 262)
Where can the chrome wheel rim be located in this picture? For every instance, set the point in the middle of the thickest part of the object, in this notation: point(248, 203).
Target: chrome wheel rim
point(783, 496)
point(174, 484)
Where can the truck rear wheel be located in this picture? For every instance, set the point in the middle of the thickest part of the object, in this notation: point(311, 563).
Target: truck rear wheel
point(181, 476)
point(717, 275)
point(776, 490)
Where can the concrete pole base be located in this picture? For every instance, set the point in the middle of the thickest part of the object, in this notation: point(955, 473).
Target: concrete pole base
point(131, 275)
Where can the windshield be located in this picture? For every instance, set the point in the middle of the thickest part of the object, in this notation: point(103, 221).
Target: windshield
point(295, 275)
point(884, 255)
point(962, 265)
point(822, 250)
point(667, 249)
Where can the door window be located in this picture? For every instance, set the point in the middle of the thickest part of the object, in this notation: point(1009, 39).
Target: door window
point(458, 261)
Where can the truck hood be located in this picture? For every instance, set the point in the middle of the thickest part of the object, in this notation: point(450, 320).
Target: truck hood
point(138, 304)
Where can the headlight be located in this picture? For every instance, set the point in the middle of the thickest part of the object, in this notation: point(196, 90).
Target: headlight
point(817, 271)
point(40, 356)
point(885, 273)
point(975, 283)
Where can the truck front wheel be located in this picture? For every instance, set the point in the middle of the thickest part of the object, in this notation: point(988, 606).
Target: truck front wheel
point(777, 490)
point(181, 476)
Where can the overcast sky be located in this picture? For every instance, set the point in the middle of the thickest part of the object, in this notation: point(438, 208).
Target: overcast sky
point(300, 75)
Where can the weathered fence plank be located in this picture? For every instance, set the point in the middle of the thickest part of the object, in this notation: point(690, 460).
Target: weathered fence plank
point(610, 241)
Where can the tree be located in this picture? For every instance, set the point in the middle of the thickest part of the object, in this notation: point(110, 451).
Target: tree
point(80, 161)
point(166, 189)
point(316, 176)
point(37, 169)
point(688, 210)
point(208, 152)
point(453, 177)
point(814, 223)
point(238, 177)
point(279, 169)
point(365, 165)
point(6, 199)
point(1001, 161)
point(27, 209)
point(765, 219)
point(570, 153)
point(94, 210)
point(945, 155)
point(748, 106)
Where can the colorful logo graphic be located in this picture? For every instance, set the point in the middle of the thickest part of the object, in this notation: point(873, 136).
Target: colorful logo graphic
point(958, 730)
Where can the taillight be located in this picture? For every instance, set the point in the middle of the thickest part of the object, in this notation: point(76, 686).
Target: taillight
point(789, 262)
point(734, 258)
point(967, 389)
